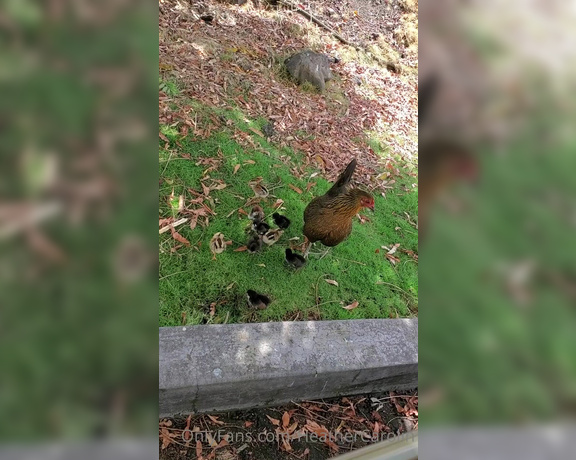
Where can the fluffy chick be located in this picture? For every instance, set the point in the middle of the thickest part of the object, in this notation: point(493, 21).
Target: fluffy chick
point(259, 190)
point(260, 227)
point(294, 260)
point(271, 236)
point(257, 214)
point(254, 244)
point(282, 221)
point(256, 300)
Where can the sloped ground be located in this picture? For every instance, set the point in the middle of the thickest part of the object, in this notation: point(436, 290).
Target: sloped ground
point(235, 60)
point(222, 83)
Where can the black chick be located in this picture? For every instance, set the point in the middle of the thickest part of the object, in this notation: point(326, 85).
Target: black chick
point(255, 300)
point(293, 259)
point(260, 227)
point(254, 244)
point(282, 221)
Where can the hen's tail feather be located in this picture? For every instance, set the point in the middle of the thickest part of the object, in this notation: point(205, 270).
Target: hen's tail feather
point(343, 179)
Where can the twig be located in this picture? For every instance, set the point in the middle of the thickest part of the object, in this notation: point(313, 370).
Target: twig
point(397, 287)
point(309, 410)
point(318, 22)
point(348, 260)
point(172, 274)
point(175, 224)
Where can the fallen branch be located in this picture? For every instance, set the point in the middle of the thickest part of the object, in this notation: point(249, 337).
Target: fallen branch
point(317, 21)
point(390, 65)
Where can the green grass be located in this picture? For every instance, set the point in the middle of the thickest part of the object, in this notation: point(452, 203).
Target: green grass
point(190, 280)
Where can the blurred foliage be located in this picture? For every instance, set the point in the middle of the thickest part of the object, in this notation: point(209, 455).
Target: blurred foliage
point(497, 274)
point(78, 322)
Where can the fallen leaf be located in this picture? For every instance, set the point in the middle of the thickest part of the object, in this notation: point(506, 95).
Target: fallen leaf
point(241, 211)
point(211, 441)
point(198, 449)
point(193, 221)
point(255, 131)
point(236, 168)
point(296, 189)
point(274, 420)
point(215, 420)
point(180, 203)
point(230, 286)
point(241, 249)
point(163, 222)
point(179, 237)
point(261, 265)
point(352, 306)
point(205, 189)
point(166, 438)
point(285, 419)
point(279, 202)
point(248, 424)
point(393, 249)
point(334, 283)
point(249, 162)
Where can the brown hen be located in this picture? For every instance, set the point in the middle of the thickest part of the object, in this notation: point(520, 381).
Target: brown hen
point(328, 218)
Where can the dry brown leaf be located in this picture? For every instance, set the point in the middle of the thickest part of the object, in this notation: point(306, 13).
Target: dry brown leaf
point(296, 189)
point(163, 222)
point(241, 211)
point(285, 419)
point(241, 249)
point(211, 441)
point(249, 162)
point(332, 282)
point(236, 168)
point(193, 221)
point(215, 420)
point(198, 449)
point(352, 306)
point(223, 443)
point(279, 202)
point(220, 186)
point(166, 438)
point(256, 131)
point(248, 424)
point(274, 420)
point(393, 249)
point(205, 189)
point(180, 203)
point(179, 237)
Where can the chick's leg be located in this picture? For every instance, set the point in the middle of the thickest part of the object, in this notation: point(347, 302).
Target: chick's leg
point(307, 250)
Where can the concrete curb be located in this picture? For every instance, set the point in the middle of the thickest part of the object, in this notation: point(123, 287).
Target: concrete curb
point(237, 366)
